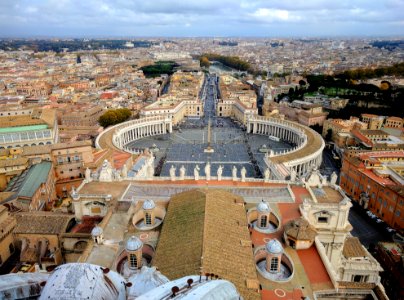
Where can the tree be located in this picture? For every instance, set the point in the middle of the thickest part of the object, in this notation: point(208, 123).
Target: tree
point(204, 61)
point(302, 82)
point(114, 116)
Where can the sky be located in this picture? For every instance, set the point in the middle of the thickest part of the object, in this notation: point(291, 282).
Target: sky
point(193, 18)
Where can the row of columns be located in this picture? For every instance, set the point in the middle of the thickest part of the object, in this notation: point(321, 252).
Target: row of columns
point(278, 131)
point(303, 168)
point(145, 131)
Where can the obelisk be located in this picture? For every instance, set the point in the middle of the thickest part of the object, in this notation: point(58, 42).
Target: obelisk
point(209, 149)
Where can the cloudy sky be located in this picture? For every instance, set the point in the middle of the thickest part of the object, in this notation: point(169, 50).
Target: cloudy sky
point(281, 18)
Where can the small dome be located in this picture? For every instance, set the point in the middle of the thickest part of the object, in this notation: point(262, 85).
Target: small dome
point(263, 207)
point(133, 243)
point(148, 204)
point(97, 231)
point(274, 247)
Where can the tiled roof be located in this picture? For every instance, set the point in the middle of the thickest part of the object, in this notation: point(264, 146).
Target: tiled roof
point(42, 223)
point(13, 162)
point(353, 248)
point(300, 229)
point(206, 231)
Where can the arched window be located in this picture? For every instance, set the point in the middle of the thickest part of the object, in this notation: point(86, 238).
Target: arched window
point(274, 264)
point(133, 260)
point(148, 219)
point(263, 222)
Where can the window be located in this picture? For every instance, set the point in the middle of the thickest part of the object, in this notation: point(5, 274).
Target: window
point(148, 219)
point(357, 278)
point(398, 213)
point(263, 222)
point(322, 219)
point(133, 260)
point(274, 264)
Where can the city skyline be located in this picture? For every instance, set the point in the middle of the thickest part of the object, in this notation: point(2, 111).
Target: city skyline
point(316, 18)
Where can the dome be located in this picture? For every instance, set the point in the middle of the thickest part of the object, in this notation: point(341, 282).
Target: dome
point(274, 247)
point(145, 280)
point(148, 204)
point(263, 207)
point(83, 281)
point(133, 244)
point(97, 231)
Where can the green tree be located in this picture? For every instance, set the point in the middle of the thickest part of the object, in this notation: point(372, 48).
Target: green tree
point(114, 116)
point(204, 62)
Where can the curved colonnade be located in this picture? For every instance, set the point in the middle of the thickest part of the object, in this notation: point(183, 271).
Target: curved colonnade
point(305, 156)
point(125, 133)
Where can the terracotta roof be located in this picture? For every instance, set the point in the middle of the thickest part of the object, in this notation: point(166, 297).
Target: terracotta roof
point(353, 248)
point(42, 223)
point(300, 229)
point(13, 162)
point(35, 150)
point(179, 249)
point(367, 132)
point(38, 117)
point(206, 231)
point(59, 146)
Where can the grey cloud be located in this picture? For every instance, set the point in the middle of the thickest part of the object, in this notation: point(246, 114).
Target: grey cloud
point(206, 17)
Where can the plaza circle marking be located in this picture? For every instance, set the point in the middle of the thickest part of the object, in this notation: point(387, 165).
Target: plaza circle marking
point(280, 293)
point(266, 240)
point(144, 236)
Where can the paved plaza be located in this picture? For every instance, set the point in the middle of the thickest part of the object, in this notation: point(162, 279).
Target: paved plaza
point(232, 146)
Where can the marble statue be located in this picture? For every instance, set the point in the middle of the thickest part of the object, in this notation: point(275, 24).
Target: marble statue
point(106, 173)
point(196, 172)
point(207, 171)
point(334, 178)
point(182, 172)
point(266, 175)
point(73, 192)
point(150, 171)
point(323, 180)
point(124, 172)
point(234, 173)
point(219, 172)
point(172, 173)
point(293, 175)
point(314, 178)
point(88, 175)
point(243, 173)
point(117, 175)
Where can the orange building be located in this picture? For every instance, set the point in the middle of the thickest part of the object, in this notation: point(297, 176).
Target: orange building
point(375, 181)
point(394, 122)
point(69, 160)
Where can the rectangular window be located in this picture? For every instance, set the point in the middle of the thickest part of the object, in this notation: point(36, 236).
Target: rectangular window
point(322, 220)
point(274, 264)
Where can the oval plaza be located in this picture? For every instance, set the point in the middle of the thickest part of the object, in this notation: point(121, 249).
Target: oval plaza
point(228, 134)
